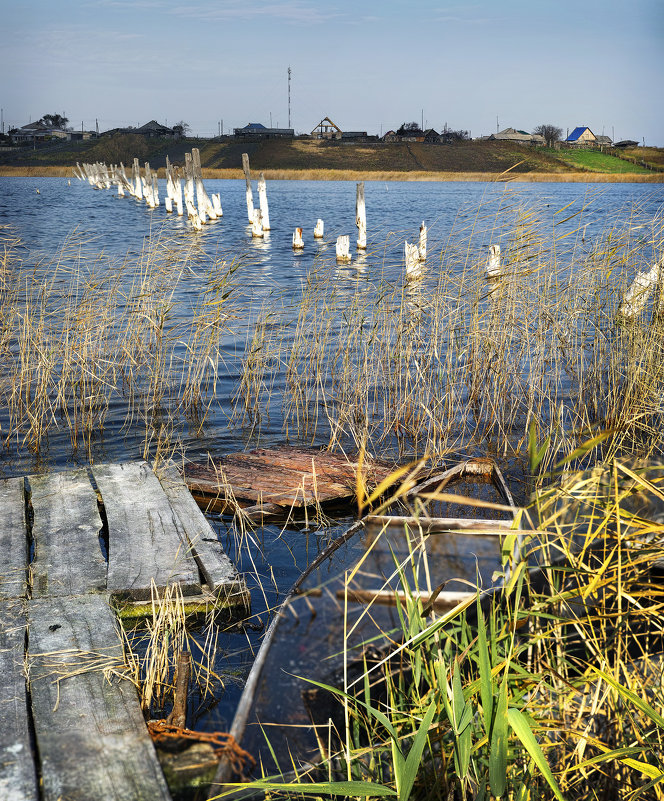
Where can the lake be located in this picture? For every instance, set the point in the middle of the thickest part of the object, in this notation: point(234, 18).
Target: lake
point(87, 245)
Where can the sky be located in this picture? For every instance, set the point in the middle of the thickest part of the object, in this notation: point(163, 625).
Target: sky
point(369, 66)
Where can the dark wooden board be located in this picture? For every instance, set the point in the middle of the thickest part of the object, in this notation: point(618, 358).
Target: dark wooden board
point(91, 735)
point(286, 476)
point(68, 558)
point(146, 538)
point(18, 777)
point(13, 539)
point(217, 569)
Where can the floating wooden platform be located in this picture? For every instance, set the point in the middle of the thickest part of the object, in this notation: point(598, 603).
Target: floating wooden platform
point(98, 538)
point(278, 479)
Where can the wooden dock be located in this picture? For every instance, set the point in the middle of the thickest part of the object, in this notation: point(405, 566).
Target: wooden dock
point(72, 546)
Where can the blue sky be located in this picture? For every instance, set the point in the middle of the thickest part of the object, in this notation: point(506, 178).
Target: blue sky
point(367, 65)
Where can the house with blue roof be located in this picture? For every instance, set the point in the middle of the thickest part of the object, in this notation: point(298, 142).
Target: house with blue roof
point(581, 136)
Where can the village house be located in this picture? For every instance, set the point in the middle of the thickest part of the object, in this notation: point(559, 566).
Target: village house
point(514, 135)
point(581, 135)
point(256, 130)
point(35, 132)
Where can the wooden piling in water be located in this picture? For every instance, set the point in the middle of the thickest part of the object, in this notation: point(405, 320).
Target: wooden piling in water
point(319, 229)
point(262, 200)
point(136, 179)
point(361, 217)
point(256, 225)
point(249, 194)
point(493, 267)
point(298, 242)
point(412, 257)
point(422, 247)
point(638, 294)
point(343, 249)
point(205, 206)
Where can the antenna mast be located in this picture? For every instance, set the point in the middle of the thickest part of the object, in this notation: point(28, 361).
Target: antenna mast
point(289, 74)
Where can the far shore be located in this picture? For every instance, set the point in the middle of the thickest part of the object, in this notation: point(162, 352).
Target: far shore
point(9, 171)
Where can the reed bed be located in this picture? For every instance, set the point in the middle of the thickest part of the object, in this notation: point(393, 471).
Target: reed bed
point(550, 689)
point(85, 338)
point(446, 360)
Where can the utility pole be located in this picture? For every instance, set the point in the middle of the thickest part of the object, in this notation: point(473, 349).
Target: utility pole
point(497, 129)
point(289, 79)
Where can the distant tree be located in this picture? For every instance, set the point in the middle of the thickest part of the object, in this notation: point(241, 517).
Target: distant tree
point(551, 133)
point(448, 135)
point(182, 128)
point(55, 121)
point(408, 127)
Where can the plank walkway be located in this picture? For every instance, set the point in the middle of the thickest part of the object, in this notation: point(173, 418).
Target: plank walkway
point(91, 539)
point(279, 479)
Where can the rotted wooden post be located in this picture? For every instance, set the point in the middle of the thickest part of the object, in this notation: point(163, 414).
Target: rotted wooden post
point(136, 178)
point(250, 196)
point(319, 229)
point(412, 256)
point(148, 186)
point(639, 292)
point(493, 268)
point(343, 249)
point(203, 201)
point(262, 199)
point(257, 226)
point(422, 247)
point(298, 242)
point(361, 217)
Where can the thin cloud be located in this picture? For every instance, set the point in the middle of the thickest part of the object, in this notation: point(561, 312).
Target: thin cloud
point(292, 11)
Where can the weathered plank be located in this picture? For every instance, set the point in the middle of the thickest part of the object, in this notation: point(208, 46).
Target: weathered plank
point(91, 735)
point(13, 539)
point(146, 538)
point(18, 777)
point(68, 558)
point(216, 568)
point(284, 475)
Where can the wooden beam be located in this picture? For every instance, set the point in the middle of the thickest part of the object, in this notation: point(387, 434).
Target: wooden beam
point(13, 539)
point(68, 558)
point(91, 735)
point(146, 538)
point(18, 777)
point(217, 569)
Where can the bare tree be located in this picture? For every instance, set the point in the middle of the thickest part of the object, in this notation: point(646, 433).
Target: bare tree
point(551, 133)
point(182, 128)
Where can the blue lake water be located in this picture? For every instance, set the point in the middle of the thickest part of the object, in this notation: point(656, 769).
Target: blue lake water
point(90, 226)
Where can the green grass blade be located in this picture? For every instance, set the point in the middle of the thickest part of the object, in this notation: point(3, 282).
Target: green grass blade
point(498, 750)
point(414, 757)
point(521, 727)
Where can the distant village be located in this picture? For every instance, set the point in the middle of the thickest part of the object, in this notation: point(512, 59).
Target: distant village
point(50, 129)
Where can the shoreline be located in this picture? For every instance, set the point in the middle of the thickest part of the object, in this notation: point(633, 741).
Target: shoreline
point(52, 171)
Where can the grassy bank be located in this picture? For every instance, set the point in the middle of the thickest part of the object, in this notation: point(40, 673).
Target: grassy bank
point(49, 171)
point(322, 160)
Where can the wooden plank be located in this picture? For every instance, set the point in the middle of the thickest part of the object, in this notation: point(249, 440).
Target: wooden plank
point(91, 735)
point(216, 568)
point(146, 539)
point(13, 539)
point(18, 777)
point(284, 475)
point(68, 558)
